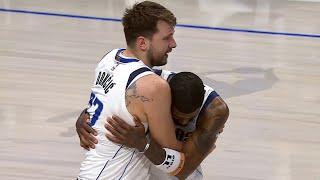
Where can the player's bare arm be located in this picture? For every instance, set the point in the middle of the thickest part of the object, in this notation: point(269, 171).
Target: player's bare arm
point(85, 132)
point(149, 99)
point(202, 141)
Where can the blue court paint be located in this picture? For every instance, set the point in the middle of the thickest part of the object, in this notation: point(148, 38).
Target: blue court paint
point(61, 15)
point(178, 25)
point(249, 31)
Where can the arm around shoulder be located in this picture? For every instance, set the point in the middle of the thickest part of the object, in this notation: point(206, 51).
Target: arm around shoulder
point(202, 141)
point(157, 110)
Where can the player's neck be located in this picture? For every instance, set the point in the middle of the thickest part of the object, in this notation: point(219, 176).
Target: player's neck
point(141, 56)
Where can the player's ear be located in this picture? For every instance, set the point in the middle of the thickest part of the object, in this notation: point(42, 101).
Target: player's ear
point(142, 43)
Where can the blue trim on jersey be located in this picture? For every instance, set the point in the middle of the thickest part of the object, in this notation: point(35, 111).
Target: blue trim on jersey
point(135, 74)
point(157, 71)
point(108, 161)
point(127, 164)
point(209, 99)
point(171, 75)
point(123, 59)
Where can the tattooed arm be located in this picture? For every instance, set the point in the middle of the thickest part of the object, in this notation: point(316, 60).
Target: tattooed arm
point(149, 99)
point(202, 141)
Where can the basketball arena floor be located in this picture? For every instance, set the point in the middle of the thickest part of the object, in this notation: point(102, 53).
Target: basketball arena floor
point(261, 56)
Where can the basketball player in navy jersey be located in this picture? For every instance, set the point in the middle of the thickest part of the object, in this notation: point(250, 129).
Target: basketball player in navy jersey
point(197, 125)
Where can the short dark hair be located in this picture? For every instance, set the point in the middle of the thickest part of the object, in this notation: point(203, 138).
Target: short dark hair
point(187, 91)
point(142, 19)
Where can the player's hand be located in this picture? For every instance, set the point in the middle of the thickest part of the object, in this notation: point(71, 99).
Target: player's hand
point(85, 132)
point(123, 133)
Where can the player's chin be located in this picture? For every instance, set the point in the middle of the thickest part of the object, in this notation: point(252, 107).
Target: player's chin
point(162, 62)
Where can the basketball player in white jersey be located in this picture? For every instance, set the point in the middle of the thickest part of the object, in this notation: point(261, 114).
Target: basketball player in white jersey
point(126, 86)
point(196, 125)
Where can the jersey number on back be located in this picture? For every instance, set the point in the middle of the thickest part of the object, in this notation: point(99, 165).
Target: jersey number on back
point(94, 101)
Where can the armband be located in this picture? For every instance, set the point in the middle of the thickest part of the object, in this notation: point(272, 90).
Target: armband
point(173, 163)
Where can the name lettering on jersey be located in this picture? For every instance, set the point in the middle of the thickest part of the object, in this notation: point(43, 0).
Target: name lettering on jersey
point(105, 80)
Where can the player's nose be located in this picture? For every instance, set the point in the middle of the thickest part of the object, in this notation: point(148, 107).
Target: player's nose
point(172, 43)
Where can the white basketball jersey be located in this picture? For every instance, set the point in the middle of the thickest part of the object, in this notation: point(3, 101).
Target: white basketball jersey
point(108, 160)
point(184, 132)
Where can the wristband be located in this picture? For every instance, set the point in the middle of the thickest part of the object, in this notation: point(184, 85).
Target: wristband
point(173, 162)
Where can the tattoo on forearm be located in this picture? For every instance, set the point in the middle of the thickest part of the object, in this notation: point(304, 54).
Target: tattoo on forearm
point(132, 93)
point(204, 141)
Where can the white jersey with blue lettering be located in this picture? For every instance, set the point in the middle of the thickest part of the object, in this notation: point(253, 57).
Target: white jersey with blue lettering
point(108, 160)
point(184, 132)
